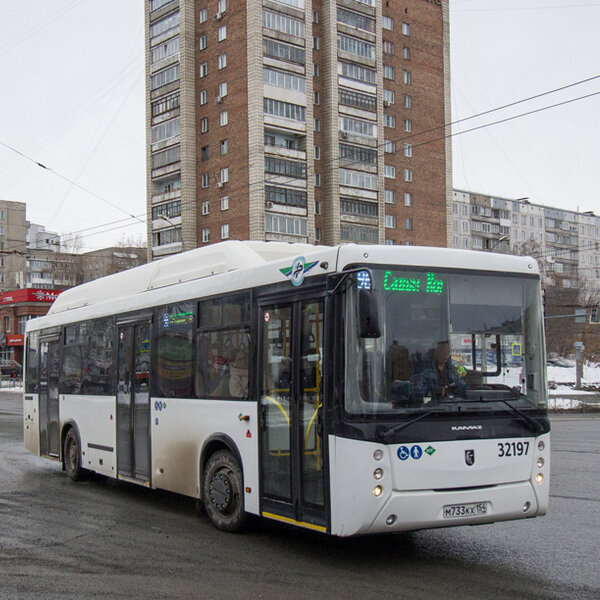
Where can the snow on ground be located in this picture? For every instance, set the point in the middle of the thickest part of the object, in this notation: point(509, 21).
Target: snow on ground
point(591, 374)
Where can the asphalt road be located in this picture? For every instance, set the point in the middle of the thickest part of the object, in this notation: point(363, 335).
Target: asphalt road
point(103, 539)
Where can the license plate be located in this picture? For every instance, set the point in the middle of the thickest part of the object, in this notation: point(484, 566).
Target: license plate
point(453, 511)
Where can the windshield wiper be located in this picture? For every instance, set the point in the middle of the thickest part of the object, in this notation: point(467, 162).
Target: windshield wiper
point(385, 435)
point(533, 425)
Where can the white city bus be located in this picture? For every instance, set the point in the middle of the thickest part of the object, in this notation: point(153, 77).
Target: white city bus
point(350, 389)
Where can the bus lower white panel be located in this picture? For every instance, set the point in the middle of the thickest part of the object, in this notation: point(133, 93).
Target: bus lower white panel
point(179, 430)
point(94, 417)
point(31, 423)
point(415, 481)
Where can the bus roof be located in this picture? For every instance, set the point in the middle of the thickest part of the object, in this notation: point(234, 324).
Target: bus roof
point(251, 263)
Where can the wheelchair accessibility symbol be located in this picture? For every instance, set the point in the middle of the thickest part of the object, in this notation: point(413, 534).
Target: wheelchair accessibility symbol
point(403, 453)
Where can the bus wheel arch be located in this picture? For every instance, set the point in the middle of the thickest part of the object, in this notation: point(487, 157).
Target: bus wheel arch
point(222, 483)
point(71, 451)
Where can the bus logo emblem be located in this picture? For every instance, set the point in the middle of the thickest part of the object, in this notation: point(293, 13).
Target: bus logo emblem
point(298, 270)
point(470, 457)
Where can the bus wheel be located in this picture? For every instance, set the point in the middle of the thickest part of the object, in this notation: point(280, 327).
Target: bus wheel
point(223, 492)
point(72, 456)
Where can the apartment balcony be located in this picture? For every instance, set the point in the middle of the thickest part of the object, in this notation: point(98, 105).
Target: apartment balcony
point(285, 152)
point(174, 195)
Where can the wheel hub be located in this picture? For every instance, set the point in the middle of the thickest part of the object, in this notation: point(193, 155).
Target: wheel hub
point(220, 491)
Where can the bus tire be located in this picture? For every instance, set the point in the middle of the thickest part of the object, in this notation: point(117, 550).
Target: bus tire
point(223, 492)
point(72, 456)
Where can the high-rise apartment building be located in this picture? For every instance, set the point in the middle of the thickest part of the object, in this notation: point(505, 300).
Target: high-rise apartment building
point(313, 121)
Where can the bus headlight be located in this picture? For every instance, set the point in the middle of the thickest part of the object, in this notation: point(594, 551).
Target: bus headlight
point(378, 454)
point(378, 473)
point(377, 491)
point(540, 462)
point(539, 478)
point(541, 445)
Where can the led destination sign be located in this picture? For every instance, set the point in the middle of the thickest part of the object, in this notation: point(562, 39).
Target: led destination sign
point(394, 283)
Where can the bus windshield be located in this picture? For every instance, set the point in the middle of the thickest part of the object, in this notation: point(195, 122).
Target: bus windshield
point(451, 339)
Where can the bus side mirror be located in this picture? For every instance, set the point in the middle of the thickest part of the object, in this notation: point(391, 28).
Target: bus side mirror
point(368, 314)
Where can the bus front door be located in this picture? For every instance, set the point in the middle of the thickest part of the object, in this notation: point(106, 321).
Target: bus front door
point(292, 465)
point(133, 402)
point(49, 398)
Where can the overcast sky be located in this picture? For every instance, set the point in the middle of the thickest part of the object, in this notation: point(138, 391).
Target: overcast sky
point(73, 99)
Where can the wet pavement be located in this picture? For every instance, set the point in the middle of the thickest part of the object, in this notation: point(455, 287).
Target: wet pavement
point(103, 539)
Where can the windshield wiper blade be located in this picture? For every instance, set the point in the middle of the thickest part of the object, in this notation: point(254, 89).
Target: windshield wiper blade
point(534, 426)
point(385, 435)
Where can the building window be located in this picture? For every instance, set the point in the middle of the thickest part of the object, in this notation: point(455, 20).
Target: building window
point(317, 98)
point(358, 154)
point(202, 15)
point(284, 80)
point(406, 53)
point(388, 97)
point(279, 108)
point(284, 51)
point(203, 97)
point(406, 77)
point(389, 72)
point(224, 146)
point(317, 152)
point(205, 180)
point(350, 206)
point(357, 72)
point(407, 101)
point(204, 125)
point(389, 171)
point(315, 16)
point(224, 231)
point(162, 51)
point(224, 174)
point(282, 166)
point(389, 146)
point(387, 23)
point(408, 224)
point(352, 45)
point(222, 33)
point(224, 202)
point(223, 119)
point(407, 150)
point(390, 221)
point(222, 91)
point(315, 42)
point(405, 29)
point(222, 61)
point(357, 127)
point(317, 124)
point(315, 70)
point(203, 69)
point(408, 175)
point(357, 100)
point(205, 207)
point(390, 197)
point(355, 20)
point(202, 42)
point(389, 121)
point(281, 195)
point(388, 47)
point(204, 153)
point(407, 125)
point(317, 207)
point(283, 23)
point(318, 234)
point(408, 199)
point(275, 223)
point(206, 235)
point(165, 76)
point(317, 179)
point(221, 7)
